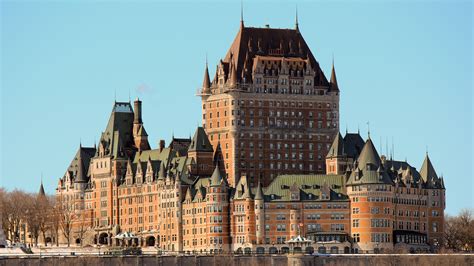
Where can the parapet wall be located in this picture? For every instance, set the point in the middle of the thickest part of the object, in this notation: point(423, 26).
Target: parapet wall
point(278, 260)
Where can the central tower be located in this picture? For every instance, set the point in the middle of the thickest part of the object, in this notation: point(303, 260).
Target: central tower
point(270, 107)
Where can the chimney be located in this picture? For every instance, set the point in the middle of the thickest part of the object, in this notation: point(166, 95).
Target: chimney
point(138, 112)
point(161, 145)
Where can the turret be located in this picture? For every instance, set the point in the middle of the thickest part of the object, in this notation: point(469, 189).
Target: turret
point(260, 214)
point(206, 84)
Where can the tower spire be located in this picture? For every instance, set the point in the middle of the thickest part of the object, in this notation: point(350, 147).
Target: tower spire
point(241, 13)
point(368, 129)
point(296, 19)
point(333, 81)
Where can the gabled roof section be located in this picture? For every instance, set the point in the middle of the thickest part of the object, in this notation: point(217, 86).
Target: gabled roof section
point(200, 142)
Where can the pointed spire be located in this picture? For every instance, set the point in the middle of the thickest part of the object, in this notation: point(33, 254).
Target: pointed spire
point(259, 192)
point(233, 75)
point(41, 189)
point(296, 19)
point(206, 84)
point(427, 171)
point(161, 172)
point(337, 147)
point(333, 82)
point(216, 177)
point(368, 129)
point(241, 13)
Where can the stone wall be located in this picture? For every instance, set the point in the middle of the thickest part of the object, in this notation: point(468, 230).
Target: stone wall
point(277, 260)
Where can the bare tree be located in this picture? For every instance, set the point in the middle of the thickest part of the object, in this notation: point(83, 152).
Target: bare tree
point(54, 218)
point(32, 216)
point(81, 225)
point(459, 231)
point(14, 208)
point(45, 211)
point(66, 216)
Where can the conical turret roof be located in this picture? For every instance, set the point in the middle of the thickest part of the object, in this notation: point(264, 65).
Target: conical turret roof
point(259, 192)
point(369, 155)
point(206, 84)
point(216, 177)
point(427, 170)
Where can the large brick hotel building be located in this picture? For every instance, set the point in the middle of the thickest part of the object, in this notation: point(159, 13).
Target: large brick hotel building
point(268, 171)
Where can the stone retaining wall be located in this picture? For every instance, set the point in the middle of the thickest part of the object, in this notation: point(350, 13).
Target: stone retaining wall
point(277, 260)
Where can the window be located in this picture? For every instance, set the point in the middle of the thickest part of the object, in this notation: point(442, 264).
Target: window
point(355, 223)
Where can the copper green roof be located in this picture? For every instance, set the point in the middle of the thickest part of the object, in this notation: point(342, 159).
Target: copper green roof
point(308, 186)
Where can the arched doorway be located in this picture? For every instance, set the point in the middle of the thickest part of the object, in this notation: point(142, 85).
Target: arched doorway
point(78, 241)
point(297, 250)
point(238, 251)
point(247, 251)
point(150, 241)
point(309, 250)
point(285, 250)
point(334, 250)
point(322, 250)
point(273, 250)
point(260, 250)
point(103, 239)
point(48, 239)
point(346, 250)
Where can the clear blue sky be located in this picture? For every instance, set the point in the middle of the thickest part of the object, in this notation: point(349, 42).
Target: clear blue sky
point(405, 67)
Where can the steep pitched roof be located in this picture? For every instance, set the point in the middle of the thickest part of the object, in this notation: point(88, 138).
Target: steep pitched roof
point(353, 144)
point(80, 164)
point(117, 139)
point(337, 147)
point(250, 42)
point(200, 142)
point(429, 176)
point(369, 155)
